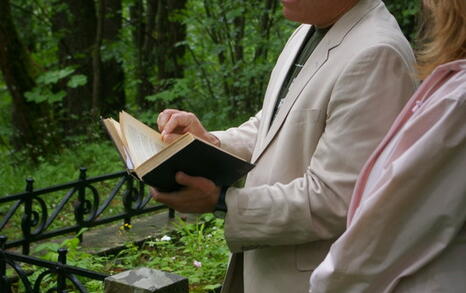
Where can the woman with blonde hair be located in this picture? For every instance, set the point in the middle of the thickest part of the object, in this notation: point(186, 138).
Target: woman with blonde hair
point(406, 227)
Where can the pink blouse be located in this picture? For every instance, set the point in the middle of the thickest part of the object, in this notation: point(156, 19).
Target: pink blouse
point(405, 222)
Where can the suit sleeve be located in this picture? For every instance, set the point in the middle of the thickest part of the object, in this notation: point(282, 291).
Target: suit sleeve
point(415, 210)
point(365, 100)
point(240, 140)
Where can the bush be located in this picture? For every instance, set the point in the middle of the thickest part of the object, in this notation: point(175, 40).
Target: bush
point(406, 13)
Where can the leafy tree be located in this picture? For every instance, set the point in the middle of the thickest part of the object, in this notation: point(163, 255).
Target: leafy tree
point(15, 64)
point(77, 59)
point(231, 48)
point(74, 24)
point(112, 96)
point(158, 35)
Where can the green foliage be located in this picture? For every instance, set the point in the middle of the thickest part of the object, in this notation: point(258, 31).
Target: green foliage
point(230, 53)
point(39, 95)
point(231, 48)
point(6, 130)
point(76, 257)
point(44, 92)
point(406, 13)
point(205, 252)
point(53, 76)
point(178, 88)
point(77, 80)
point(195, 250)
point(99, 158)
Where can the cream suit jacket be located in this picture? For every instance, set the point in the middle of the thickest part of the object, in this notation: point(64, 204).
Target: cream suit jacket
point(295, 200)
point(406, 223)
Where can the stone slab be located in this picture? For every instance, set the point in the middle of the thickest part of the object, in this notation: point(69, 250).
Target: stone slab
point(146, 280)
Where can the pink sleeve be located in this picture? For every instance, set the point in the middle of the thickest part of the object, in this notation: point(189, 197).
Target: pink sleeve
point(416, 207)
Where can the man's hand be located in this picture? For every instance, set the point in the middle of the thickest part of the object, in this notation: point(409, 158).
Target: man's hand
point(200, 195)
point(173, 123)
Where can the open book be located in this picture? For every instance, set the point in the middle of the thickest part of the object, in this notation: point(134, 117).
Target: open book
point(156, 163)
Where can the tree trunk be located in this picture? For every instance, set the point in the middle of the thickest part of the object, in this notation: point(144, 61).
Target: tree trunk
point(168, 48)
point(96, 62)
point(159, 52)
point(137, 21)
point(16, 67)
point(169, 34)
point(112, 78)
point(267, 21)
point(75, 25)
point(237, 56)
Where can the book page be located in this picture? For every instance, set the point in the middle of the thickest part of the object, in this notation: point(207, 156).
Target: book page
point(162, 155)
point(142, 141)
point(113, 128)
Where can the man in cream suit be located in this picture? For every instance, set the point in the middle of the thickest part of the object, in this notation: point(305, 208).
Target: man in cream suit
point(316, 128)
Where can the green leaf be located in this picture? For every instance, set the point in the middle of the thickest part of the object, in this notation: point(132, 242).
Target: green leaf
point(212, 286)
point(51, 256)
point(72, 243)
point(35, 96)
point(53, 76)
point(43, 94)
point(77, 80)
point(50, 246)
point(56, 97)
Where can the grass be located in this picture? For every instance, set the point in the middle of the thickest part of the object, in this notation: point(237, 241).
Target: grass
point(195, 250)
point(99, 158)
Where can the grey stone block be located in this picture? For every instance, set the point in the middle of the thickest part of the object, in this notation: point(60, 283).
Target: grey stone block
point(145, 280)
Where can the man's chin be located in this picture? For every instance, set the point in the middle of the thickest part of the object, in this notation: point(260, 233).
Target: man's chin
point(291, 16)
point(285, 2)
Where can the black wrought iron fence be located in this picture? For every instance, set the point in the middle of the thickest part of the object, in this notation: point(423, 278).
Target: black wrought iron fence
point(62, 271)
point(87, 207)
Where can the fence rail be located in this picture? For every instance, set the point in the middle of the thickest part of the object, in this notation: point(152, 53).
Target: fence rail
point(87, 207)
point(60, 269)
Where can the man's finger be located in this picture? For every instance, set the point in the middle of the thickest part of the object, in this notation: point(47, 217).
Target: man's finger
point(165, 198)
point(169, 138)
point(184, 179)
point(191, 181)
point(177, 122)
point(164, 116)
point(154, 193)
point(162, 120)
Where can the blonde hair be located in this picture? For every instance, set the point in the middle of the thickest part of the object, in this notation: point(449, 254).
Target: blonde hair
point(443, 34)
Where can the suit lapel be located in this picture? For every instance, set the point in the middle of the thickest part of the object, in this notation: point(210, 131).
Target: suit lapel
point(284, 67)
point(317, 59)
point(284, 62)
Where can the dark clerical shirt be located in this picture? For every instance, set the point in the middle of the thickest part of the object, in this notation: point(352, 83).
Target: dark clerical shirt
point(313, 38)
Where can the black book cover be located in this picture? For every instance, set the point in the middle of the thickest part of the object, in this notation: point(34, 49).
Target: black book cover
point(198, 159)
